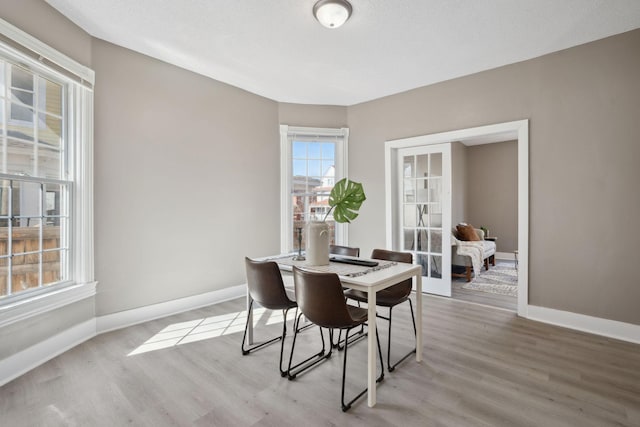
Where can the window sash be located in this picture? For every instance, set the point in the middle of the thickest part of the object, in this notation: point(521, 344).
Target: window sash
point(305, 134)
point(19, 47)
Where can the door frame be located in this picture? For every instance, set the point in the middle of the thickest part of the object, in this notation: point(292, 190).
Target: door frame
point(515, 130)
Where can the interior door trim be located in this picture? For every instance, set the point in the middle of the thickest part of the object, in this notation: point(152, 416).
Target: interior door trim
point(515, 130)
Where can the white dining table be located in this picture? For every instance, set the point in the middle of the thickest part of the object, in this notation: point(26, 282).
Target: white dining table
point(370, 282)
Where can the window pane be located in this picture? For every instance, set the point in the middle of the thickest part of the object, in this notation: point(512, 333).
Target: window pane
point(4, 241)
point(25, 274)
point(49, 130)
point(52, 195)
point(409, 215)
point(314, 150)
point(297, 203)
point(299, 150)
point(21, 113)
point(409, 238)
point(49, 163)
point(436, 165)
point(436, 241)
point(51, 237)
point(408, 167)
point(26, 203)
point(328, 150)
point(25, 239)
point(422, 165)
point(5, 194)
point(4, 274)
point(423, 260)
point(436, 266)
point(409, 191)
point(21, 79)
point(299, 167)
point(21, 98)
point(51, 267)
point(50, 96)
point(315, 168)
point(19, 157)
point(2, 79)
point(423, 242)
point(328, 171)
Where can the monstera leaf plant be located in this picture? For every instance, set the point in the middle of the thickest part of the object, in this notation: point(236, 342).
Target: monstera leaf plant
point(345, 200)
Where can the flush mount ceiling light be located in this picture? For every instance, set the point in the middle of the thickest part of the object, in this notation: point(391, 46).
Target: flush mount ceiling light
point(332, 13)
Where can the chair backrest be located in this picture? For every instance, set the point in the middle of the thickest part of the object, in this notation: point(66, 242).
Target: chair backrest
point(321, 299)
point(403, 288)
point(344, 250)
point(265, 284)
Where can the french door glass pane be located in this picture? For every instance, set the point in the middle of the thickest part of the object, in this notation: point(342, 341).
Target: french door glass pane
point(422, 211)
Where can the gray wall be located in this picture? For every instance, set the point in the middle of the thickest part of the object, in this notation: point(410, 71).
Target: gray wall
point(186, 180)
point(583, 105)
point(322, 116)
point(492, 191)
point(458, 183)
point(49, 26)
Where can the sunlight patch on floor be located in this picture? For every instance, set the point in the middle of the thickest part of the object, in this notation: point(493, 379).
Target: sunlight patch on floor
point(206, 328)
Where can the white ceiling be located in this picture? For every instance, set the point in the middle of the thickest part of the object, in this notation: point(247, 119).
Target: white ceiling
point(276, 48)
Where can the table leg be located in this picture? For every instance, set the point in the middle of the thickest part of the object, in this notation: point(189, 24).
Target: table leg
point(419, 316)
point(371, 363)
point(250, 315)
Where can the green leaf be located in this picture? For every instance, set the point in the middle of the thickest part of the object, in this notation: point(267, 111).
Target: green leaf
point(345, 199)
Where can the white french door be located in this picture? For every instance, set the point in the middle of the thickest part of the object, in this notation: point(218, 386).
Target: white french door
point(423, 223)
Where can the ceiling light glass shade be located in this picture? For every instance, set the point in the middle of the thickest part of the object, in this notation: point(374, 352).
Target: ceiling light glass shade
point(332, 13)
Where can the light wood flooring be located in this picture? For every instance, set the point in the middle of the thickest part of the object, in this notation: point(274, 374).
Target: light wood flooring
point(482, 367)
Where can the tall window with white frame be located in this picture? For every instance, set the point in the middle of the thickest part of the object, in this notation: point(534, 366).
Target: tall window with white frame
point(314, 159)
point(35, 184)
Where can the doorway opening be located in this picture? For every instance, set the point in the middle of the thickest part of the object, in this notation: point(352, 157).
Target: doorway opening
point(510, 131)
point(485, 197)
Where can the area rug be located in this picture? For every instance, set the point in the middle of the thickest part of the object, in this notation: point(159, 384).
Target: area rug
point(501, 279)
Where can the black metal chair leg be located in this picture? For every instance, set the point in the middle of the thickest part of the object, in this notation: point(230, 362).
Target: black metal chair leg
point(310, 361)
point(390, 366)
point(284, 334)
point(246, 351)
point(347, 406)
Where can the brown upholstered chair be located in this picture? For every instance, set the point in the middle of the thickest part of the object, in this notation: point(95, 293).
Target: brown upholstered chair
point(321, 300)
point(266, 288)
point(344, 250)
point(390, 297)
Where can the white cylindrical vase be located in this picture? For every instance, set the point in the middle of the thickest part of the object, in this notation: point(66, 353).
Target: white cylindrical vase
point(317, 243)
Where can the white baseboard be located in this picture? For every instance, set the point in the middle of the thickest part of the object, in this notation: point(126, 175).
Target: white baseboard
point(134, 316)
point(505, 255)
point(30, 358)
point(594, 325)
point(34, 356)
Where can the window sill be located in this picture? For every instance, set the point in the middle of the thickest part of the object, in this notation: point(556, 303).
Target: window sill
point(22, 309)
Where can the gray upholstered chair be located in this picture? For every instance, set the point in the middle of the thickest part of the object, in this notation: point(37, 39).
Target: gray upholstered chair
point(488, 250)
